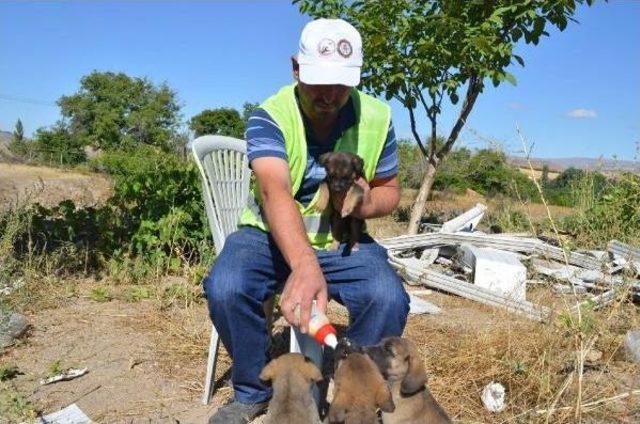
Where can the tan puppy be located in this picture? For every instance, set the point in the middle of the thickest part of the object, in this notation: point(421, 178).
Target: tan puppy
point(343, 168)
point(400, 363)
point(291, 375)
point(359, 390)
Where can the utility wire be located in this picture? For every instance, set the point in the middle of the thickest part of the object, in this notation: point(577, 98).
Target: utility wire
point(9, 98)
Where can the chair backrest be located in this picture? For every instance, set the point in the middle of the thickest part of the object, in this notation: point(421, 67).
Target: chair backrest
point(225, 175)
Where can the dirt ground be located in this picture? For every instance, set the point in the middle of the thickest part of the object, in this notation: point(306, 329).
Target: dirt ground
point(135, 374)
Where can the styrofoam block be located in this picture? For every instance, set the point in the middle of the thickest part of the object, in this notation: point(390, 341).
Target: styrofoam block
point(496, 270)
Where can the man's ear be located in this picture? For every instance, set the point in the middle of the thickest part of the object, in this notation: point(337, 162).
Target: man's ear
point(295, 67)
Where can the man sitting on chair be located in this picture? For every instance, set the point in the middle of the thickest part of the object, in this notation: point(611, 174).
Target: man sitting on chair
point(282, 238)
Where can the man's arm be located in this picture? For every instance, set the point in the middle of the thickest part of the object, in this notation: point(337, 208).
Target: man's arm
point(306, 281)
point(381, 197)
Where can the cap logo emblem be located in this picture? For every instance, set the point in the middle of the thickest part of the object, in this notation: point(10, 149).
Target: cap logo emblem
point(344, 48)
point(326, 47)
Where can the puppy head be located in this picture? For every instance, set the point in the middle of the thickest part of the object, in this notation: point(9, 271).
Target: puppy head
point(359, 391)
point(343, 168)
point(398, 360)
point(344, 348)
point(291, 364)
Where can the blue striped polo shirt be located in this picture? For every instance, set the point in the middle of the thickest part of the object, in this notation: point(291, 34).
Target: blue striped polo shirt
point(265, 139)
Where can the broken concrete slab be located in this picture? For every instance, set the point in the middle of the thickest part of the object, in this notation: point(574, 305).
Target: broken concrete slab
point(625, 254)
point(632, 345)
point(72, 414)
point(468, 221)
point(467, 290)
point(12, 326)
point(496, 270)
point(511, 244)
point(569, 289)
point(419, 306)
point(573, 274)
point(429, 256)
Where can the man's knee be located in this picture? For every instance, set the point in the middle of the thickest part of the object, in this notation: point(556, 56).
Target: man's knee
point(223, 284)
point(385, 292)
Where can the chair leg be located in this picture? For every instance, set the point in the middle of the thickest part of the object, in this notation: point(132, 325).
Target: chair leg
point(212, 360)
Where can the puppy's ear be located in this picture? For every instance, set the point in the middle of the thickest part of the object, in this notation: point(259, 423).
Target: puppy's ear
point(311, 371)
point(416, 376)
point(324, 159)
point(358, 165)
point(384, 400)
point(268, 372)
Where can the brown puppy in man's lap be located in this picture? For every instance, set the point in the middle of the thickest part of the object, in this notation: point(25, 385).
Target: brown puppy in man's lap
point(401, 365)
point(343, 169)
point(291, 375)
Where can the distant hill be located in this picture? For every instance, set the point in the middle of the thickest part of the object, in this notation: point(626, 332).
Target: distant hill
point(560, 164)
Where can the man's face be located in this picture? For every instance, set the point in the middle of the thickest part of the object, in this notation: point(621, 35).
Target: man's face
point(320, 102)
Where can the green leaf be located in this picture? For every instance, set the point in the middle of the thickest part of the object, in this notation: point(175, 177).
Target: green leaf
point(511, 78)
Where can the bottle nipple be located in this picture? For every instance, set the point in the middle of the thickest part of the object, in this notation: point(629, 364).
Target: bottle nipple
point(320, 328)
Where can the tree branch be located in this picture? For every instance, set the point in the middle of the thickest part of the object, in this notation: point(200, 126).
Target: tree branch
point(412, 118)
point(475, 85)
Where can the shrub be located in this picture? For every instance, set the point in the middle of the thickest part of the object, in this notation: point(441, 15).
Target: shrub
point(154, 223)
point(485, 171)
point(612, 215)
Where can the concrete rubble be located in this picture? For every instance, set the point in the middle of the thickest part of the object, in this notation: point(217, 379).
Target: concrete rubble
point(632, 345)
point(12, 326)
point(498, 269)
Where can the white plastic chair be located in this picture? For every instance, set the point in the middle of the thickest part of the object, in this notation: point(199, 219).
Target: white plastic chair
point(225, 176)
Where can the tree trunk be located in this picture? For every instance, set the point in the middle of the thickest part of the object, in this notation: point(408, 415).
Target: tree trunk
point(421, 200)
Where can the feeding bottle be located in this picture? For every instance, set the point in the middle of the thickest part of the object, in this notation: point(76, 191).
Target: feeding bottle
point(320, 328)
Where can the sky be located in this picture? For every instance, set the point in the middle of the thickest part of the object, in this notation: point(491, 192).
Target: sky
point(577, 96)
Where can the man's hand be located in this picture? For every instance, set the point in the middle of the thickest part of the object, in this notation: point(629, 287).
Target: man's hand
point(366, 207)
point(305, 283)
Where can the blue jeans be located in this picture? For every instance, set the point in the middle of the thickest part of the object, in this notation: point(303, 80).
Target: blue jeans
point(250, 269)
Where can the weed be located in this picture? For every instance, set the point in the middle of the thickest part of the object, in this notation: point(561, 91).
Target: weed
point(138, 293)
point(8, 371)
point(14, 406)
point(100, 294)
point(54, 368)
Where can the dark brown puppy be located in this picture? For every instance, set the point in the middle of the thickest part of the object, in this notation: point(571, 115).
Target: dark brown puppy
point(400, 363)
point(292, 403)
point(343, 168)
point(359, 390)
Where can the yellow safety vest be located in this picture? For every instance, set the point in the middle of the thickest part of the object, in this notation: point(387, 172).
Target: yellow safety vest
point(366, 139)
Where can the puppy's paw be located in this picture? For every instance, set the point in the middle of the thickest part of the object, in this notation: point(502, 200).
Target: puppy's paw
point(334, 245)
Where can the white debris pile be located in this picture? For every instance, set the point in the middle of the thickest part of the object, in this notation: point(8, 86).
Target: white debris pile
point(498, 269)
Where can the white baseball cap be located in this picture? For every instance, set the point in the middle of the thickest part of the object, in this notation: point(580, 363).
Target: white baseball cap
point(330, 53)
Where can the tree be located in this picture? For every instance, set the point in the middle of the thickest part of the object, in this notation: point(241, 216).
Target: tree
point(544, 179)
point(425, 52)
point(222, 121)
point(247, 110)
point(57, 145)
point(113, 110)
point(18, 133)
